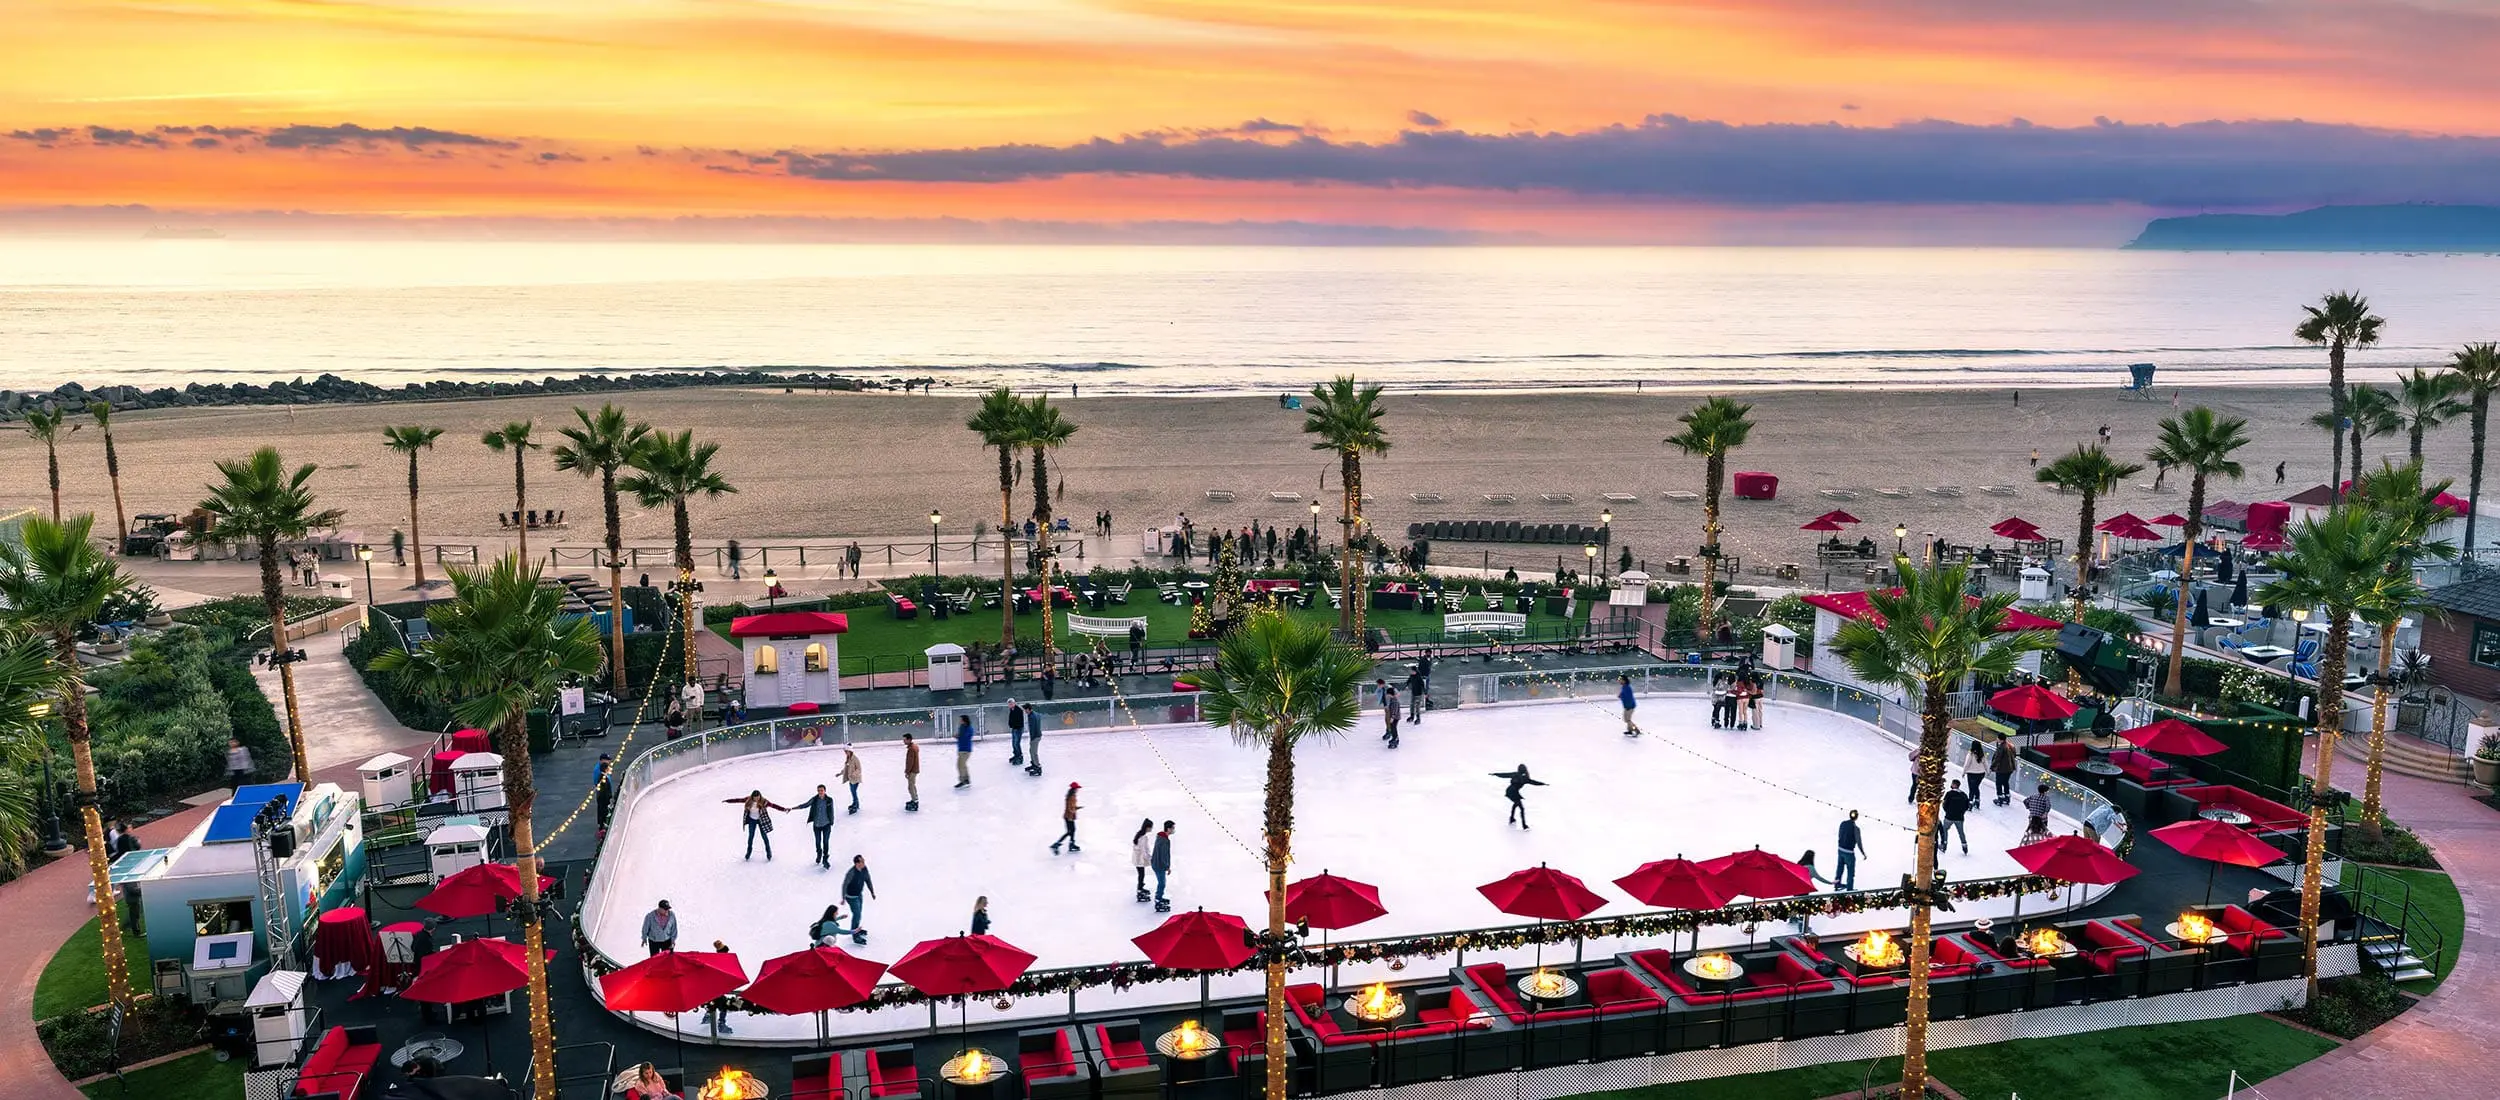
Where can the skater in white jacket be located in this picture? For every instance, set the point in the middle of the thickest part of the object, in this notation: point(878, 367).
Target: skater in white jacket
point(1141, 851)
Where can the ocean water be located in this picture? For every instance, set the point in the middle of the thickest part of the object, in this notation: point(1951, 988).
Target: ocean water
point(1181, 320)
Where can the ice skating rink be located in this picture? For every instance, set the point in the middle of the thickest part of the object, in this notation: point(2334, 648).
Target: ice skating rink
point(1425, 823)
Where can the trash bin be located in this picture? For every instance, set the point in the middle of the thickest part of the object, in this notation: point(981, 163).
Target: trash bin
point(1779, 647)
point(946, 667)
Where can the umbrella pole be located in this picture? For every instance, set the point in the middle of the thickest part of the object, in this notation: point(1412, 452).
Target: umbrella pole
point(2210, 868)
point(676, 1028)
point(1202, 996)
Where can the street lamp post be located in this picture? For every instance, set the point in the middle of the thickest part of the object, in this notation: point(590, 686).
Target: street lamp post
point(364, 553)
point(772, 588)
point(1605, 534)
point(934, 518)
point(53, 842)
point(1900, 535)
point(1590, 549)
point(1310, 550)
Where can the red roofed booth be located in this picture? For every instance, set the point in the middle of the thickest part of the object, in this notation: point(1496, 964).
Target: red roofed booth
point(792, 657)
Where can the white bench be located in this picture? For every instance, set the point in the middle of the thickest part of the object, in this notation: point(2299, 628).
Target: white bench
point(1100, 627)
point(1501, 498)
point(1623, 498)
point(1424, 498)
point(1284, 498)
point(1893, 492)
point(1220, 496)
point(1557, 498)
point(1484, 622)
point(1681, 496)
point(1999, 490)
point(1837, 494)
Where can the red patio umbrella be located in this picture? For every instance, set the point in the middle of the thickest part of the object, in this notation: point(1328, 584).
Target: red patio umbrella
point(957, 966)
point(1819, 523)
point(817, 980)
point(1839, 516)
point(2073, 859)
point(1544, 893)
point(2168, 519)
point(672, 982)
point(1677, 883)
point(2134, 531)
point(472, 970)
point(1198, 941)
point(1332, 901)
point(1759, 874)
point(2122, 519)
point(477, 891)
point(2014, 527)
point(2219, 842)
point(2034, 702)
point(2175, 737)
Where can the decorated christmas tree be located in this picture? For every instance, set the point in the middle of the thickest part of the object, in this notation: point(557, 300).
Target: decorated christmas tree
point(1225, 597)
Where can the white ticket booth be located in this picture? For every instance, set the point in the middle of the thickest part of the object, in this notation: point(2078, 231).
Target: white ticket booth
point(946, 667)
point(389, 780)
point(1631, 590)
point(1779, 647)
point(477, 782)
point(455, 848)
point(277, 1009)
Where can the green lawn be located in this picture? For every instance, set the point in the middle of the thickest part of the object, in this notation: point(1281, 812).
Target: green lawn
point(192, 1077)
point(2436, 895)
point(2190, 1061)
point(74, 979)
point(879, 642)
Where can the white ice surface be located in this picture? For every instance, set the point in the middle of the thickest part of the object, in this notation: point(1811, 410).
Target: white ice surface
point(1424, 823)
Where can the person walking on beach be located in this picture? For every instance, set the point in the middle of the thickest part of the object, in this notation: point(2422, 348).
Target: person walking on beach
point(2002, 763)
point(2035, 458)
point(659, 928)
point(963, 751)
point(1067, 822)
point(1956, 806)
point(1015, 734)
point(1852, 845)
point(736, 556)
point(981, 915)
point(2037, 805)
point(1519, 781)
point(1974, 766)
point(911, 773)
point(757, 810)
point(820, 821)
point(1032, 740)
point(1623, 695)
point(1389, 715)
point(851, 772)
point(1141, 852)
point(2278, 471)
point(850, 554)
point(1161, 861)
point(857, 886)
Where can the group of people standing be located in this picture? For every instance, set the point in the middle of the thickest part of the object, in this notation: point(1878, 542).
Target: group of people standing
point(1418, 698)
point(1736, 697)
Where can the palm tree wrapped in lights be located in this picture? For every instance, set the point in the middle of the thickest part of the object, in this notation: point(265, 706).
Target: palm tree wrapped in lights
point(1711, 430)
point(2202, 444)
point(1345, 415)
point(1927, 640)
point(599, 445)
point(261, 502)
point(2400, 496)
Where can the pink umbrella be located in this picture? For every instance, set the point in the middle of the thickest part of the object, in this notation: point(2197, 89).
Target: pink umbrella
point(2168, 519)
point(2122, 519)
point(1820, 523)
point(1838, 516)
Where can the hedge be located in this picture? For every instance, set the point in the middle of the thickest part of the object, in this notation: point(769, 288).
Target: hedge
point(161, 718)
point(80, 1046)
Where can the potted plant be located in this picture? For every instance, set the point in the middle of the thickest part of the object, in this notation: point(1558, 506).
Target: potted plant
point(2487, 760)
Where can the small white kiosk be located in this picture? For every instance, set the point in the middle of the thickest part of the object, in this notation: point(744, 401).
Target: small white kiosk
point(1779, 647)
point(1632, 590)
point(2035, 585)
point(792, 656)
point(946, 667)
point(455, 848)
point(389, 780)
point(277, 1009)
point(477, 782)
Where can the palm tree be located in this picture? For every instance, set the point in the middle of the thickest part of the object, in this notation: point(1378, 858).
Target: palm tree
point(2339, 322)
point(2372, 413)
point(1711, 430)
point(2337, 562)
point(1927, 640)
point(102, 411)
point(55, 584)
point(1345, 415)
point(30, 689)
point(598, 447)
point(2090, 473)
point(515, 437)
point(1000, 424)
point(45, 426)
point(501, 645)
point(260, 502)
point(408, 439)
point(1276, 684)
point(2400, 496)
point(2425, 401)
point(2202, 444)
point(2477, 371)
point(1043, 430)
point(670, 470)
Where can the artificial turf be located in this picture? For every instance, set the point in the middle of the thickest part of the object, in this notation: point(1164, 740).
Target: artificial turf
point(2436, 895)
point(74, 979)
point(191, 1077)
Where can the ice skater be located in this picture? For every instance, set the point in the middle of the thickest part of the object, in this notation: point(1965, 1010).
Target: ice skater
point(1852, 845)
point(851, 775)
point(827, 931)
point(1956, 806)
point(1015, 734)
point(1141, 852)
point(757, 810)
point(963, 751)
point(2001, 763)
point(1418, 683)
point(820, 821)
point(857, 887)
point(1161, 861)
point(1067, 822)
point(1519, 781)
point(716, 1011)
point(1389, 715)
point(1032, 741)
point(1722, 699)
point(659, 928)
point(2037, 805)
point(911, 774)
point(981, 915)
point(1974, 768)
point(1623, 694)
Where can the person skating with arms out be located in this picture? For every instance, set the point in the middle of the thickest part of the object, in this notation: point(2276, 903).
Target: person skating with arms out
point(1067, 822)
point(757, 811)
point(1519, 781)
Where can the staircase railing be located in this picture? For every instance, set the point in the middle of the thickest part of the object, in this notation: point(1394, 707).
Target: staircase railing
point(2388, 899)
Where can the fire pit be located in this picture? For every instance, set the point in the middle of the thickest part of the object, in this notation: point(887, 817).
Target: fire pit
point(1188, 1042)
point(2194, 927)
point(1716, 967)
point(1548, 985)
point(2046, 943)
point(972, 1067)
point(1877, 950)
point(1376, 1004)
point(733, 1084)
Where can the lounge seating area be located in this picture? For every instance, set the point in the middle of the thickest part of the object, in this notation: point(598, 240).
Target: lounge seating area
point(340, 1064)
point(532, 519)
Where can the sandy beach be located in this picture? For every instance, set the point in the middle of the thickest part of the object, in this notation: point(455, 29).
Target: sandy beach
point(871, 466)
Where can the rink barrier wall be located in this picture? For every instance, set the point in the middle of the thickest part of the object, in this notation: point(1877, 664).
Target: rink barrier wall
point(1587, 685)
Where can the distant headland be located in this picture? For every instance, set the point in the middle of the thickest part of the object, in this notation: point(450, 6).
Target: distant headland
point(330, 389)
point(2412, 227)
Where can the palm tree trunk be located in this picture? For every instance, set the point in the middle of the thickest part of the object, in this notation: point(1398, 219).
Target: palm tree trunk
point(52, 468)
point(2413, 451)
point(616, 578)
point(520, 791)
point(1044, 544)
point(2330, 730)
point(1007, 554)
point(2187, 572)
point(1931, 749)
point(113, 471)
point(99, 857)
point(1345, 529)
point(416, 538)
point(1713, 472)
point(1356, 585)
point(2474, 469)
point(2370, 815)
point(686, 618)
point(2335, 401)
point(1279, 854)
point(521, 501)
point(2356, 454)
point(2083, 556)
point(273, 596)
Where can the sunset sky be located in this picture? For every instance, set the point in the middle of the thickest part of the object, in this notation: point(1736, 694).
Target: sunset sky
point(1633, 120)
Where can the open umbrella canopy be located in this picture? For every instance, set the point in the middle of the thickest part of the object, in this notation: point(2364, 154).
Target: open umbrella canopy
point(815, 980)
point(1677, 883)
point(477, 891)
point(471, 970)
point(1820, 523)
point(2122, 519)
point(1332, 902)
point(2219, 842)
point(2016, 528)
point(1759, 874)
point(1198, 941)
point(2175, 737)
point(958, 965)
point(2073, 859)
point(1838, 516)
point(2136, 531)
point(2033, 702)
point(2168, 519)
point(672, 981)
point(1544, 893)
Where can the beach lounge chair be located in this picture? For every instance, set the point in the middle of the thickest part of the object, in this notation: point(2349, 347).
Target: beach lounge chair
point(1335, 598)
point(1681, 496)
point(1623, 498)
point(1424, 498)
point(1836, 494)
point(1998, 490)
point(1501, 498)
point(1119, 592)
point(1220, 496)
point(1556, 498)
point(1169, 592)
point(1898, 492)
point(1944, 490)
point(1281, 497)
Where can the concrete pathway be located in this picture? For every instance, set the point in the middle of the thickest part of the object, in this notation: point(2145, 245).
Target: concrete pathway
point(344, 724)
point(2442, 1047)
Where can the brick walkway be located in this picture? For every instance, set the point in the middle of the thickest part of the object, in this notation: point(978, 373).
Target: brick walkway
point(2442, 1047)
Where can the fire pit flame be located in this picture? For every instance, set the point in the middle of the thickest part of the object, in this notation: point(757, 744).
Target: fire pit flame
point(1377, 1003)
point(2197, 928)
point(1546, 983)
point(1717, 967)
point(2044, 941)
point(1878, 948)
point(733, 1084)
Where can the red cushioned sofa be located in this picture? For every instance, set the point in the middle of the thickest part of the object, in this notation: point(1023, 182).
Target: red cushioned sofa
point(339, 1064)
point(892, 1071)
